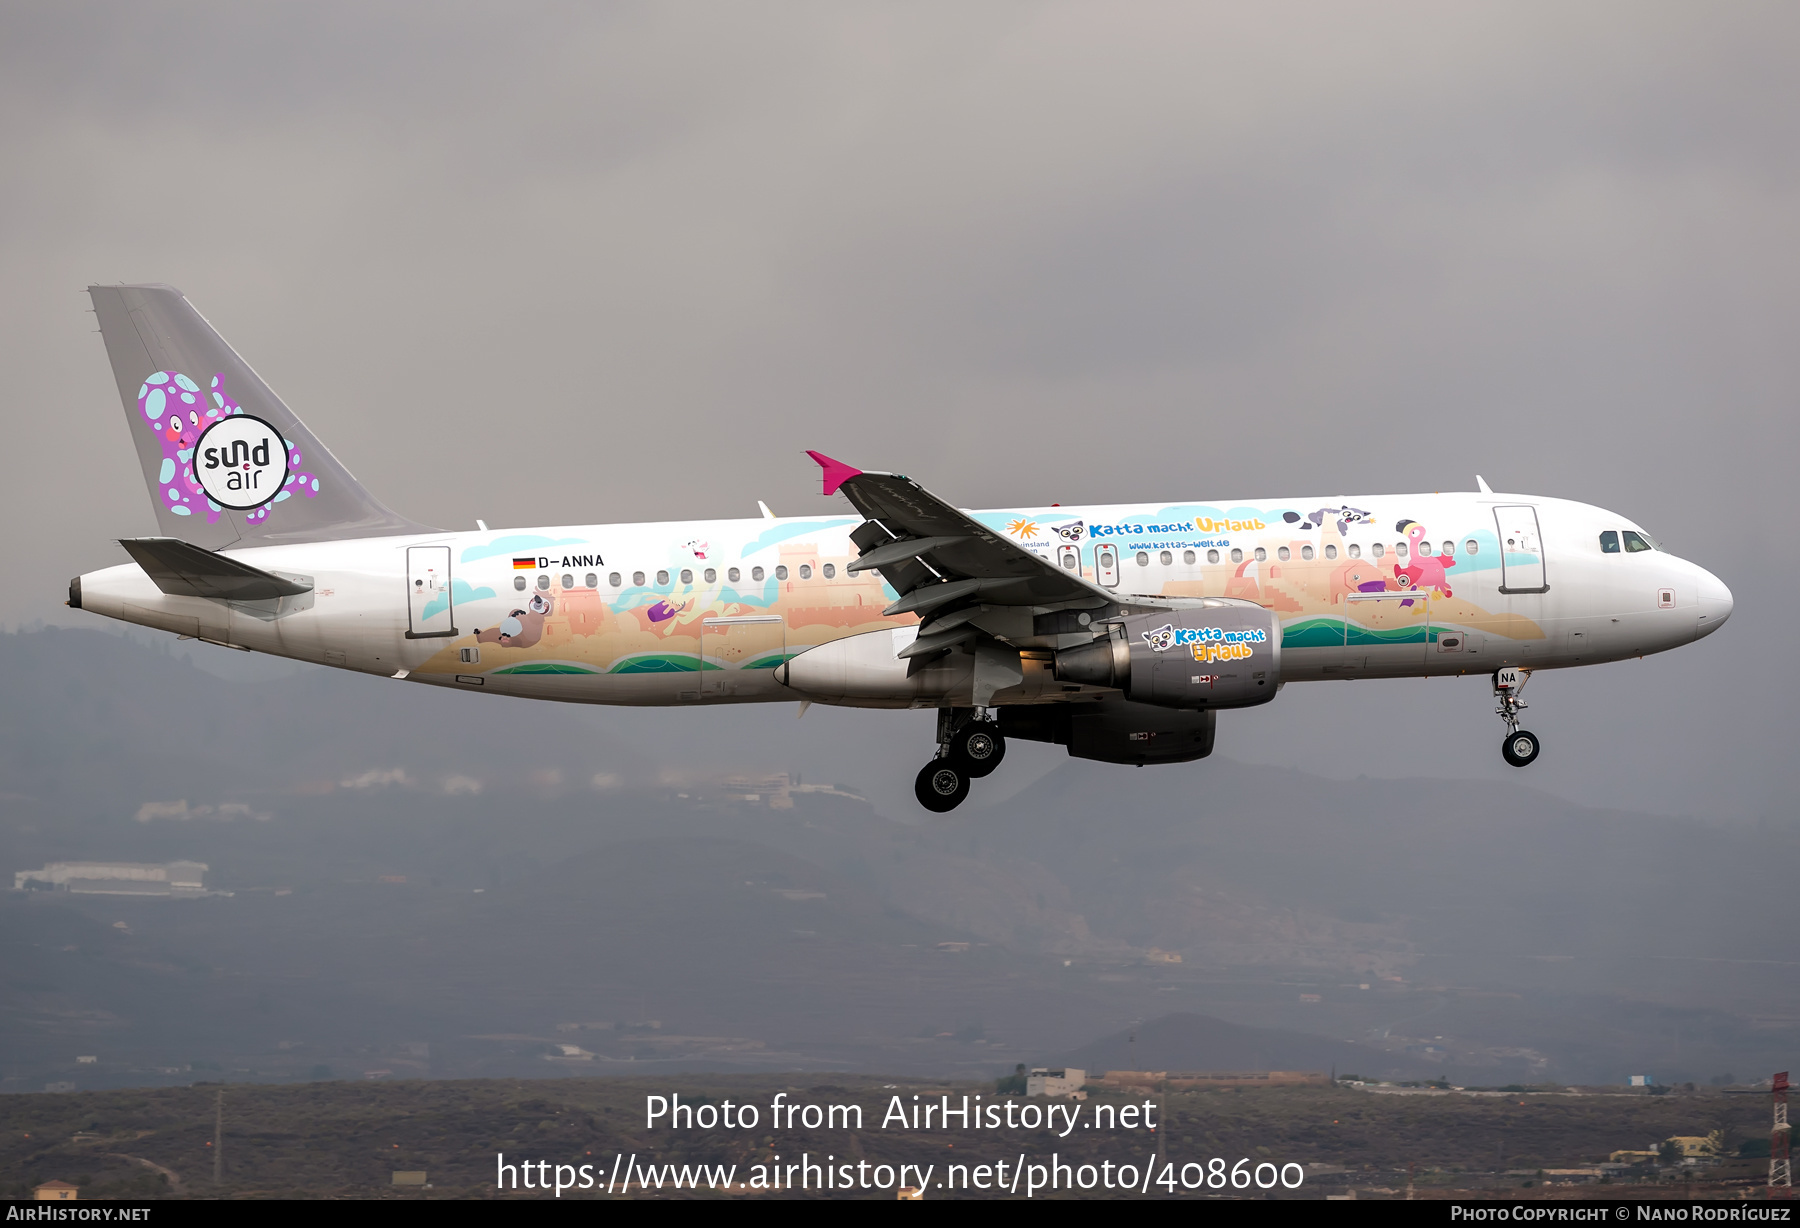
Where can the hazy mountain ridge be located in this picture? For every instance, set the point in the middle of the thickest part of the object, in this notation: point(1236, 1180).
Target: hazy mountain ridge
point(1495, 929)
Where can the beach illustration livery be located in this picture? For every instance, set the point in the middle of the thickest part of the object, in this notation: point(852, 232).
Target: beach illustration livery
point(687, 612)
point(1327, 572)
point(1331, 574)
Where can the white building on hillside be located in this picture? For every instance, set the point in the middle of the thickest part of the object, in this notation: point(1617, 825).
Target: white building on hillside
point(174, 878)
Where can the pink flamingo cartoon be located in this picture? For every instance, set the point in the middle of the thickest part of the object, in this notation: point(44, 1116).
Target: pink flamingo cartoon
point(1427, 570)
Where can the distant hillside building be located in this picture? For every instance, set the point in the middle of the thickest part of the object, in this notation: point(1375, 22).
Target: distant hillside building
point(174, 878)
point(1188, 1079)
point(57, 1191)
point(1045, 1082)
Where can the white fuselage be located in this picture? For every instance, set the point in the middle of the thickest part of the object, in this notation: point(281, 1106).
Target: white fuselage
point(664, 613)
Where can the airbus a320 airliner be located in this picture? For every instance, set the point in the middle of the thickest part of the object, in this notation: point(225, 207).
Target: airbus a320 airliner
point(1119, 632)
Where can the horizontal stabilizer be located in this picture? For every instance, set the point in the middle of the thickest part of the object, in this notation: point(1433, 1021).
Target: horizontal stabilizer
point(182, 569)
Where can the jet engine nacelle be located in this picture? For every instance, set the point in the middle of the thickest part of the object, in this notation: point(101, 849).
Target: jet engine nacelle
point(1217, 656)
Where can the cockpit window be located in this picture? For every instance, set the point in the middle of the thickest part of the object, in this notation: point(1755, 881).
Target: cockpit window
point(1635, 542)
point(1609, 542)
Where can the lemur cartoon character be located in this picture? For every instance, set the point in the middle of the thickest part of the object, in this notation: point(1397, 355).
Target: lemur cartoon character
point(1162, 639)
point(1071, 532)
point(1345, 517)
point(521, 628)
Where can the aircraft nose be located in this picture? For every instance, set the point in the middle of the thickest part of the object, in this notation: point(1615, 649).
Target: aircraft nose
point(1715, 604)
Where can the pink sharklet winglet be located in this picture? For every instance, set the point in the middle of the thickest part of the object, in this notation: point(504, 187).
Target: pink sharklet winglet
point(836, 472)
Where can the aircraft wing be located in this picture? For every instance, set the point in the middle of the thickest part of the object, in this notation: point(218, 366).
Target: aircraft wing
point(943, 562)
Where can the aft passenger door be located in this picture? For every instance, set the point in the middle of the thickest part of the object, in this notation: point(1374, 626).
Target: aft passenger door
point(428, 595)
point(1521, 550)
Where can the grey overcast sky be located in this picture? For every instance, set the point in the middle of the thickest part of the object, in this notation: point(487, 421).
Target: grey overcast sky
point(570, 263)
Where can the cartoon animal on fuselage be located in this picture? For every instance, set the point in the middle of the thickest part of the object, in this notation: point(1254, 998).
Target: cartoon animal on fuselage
point(1425, 570)
point(1345, 517)
point(964, 612)
point(1359, 576)
point(520, 628)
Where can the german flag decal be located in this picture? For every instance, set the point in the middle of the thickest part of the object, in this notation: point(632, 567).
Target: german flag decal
point(525, 564)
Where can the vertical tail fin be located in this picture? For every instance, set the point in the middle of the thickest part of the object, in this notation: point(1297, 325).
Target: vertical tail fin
point(226, 462)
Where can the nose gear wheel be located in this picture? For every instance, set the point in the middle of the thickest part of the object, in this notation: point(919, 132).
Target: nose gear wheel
point(1519, 748)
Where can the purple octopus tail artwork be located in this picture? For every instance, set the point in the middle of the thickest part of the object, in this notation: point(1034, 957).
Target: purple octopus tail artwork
point(176, 409)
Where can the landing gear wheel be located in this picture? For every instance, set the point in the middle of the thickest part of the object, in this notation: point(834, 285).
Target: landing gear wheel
point(942, 785)
point(980, 748)
point(1519, 748)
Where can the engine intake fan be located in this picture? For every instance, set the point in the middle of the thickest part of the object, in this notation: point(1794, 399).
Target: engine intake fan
point(1224, 656)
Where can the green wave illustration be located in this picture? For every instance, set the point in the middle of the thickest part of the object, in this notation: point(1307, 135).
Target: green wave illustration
point(659, 663)
point(545, 667)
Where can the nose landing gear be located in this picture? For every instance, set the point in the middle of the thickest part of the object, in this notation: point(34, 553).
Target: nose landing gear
point(1520, 746)
point(969, 747)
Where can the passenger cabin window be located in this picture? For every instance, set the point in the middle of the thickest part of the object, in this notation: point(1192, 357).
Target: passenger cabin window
point(637, 577)
point(662, 577)
point(1237, 555)
point(1331, 552)
point(593, 581)
point(1471, 546)
point(1400, 549)
point(568, 580)
point(1261, 554)
point(1212, 556)
point(1284, 554)
point(1306, 552)
point(781, 572)
point(519, 583)
point(687, 577)
point(733, 574)
point(1449, 548)
point(1375, 551)
point(1355, 552)
point(1166, 559)
point(830, 570)
point(1425, 548)
point(1187, 556)
point(1635, 543)
point(806, 571)
point(709, 575)
point(1143, 559)
point(544, 582)
point(1609, 542)
point(756, 573)
point(1069, 560)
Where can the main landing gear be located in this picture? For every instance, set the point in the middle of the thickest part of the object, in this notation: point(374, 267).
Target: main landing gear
point(969, 747)
point(1520, 747)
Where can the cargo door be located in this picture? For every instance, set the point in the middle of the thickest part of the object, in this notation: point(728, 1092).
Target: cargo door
point(737, 652)
point(428, 612)
point(1521, 550)
point(1388, 631)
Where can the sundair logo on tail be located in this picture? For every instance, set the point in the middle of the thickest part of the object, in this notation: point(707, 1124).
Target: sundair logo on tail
point(240, 462)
